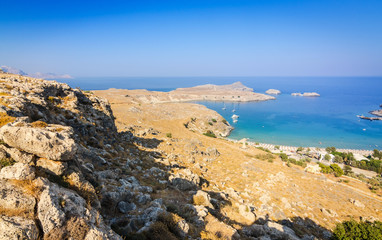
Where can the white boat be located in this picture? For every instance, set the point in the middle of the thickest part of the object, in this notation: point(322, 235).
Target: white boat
point(235, 116)
point(235, 120)
point(224, 108)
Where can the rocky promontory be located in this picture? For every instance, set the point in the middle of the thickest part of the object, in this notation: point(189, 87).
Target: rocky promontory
point(235, 92)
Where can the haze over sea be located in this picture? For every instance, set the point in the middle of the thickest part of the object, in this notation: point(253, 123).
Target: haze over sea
point(329, 120)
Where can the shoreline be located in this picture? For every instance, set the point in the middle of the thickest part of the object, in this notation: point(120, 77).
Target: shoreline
point(269, 146)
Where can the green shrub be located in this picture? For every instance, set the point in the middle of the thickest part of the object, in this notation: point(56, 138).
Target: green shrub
point(299, 149)
point(347, 170)
point(349, 230)
point(325, 168)
point(169, 135)
point(330, 149)
point(337, 170)
point(327, 157)
point(213, 120)
point(209, 133)
point(210, 123)
point(225, 122)
point(338, 159)
point(283, 157)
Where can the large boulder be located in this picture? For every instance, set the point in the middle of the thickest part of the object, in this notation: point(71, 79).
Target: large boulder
point(14, 228)
point(64, 214)
point(185, 180)
point(202, 198)
point(47, 142)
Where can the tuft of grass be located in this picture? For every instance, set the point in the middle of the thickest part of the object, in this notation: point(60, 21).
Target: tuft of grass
point(39, 124)
point(198, 200)
point(5, 119)
point(6, 162)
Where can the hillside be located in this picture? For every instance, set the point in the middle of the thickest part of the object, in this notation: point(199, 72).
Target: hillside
point(77, 166)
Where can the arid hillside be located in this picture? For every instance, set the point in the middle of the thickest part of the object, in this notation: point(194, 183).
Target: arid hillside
point(84, 165)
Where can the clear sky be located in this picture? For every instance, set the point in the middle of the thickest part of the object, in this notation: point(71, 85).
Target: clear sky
point(193, 38)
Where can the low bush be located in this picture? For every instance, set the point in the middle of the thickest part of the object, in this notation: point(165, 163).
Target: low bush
point(213, 120)
point(337, 170)
point(169, 135)
point(209, 133)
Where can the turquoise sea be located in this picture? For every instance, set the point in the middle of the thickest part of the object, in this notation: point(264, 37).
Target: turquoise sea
point(329, 120)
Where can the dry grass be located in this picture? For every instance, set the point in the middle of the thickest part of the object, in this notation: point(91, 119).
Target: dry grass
point(19, 212)
point(199, 200)
point(4, 94)
point(39, 124)
point(28, 187)
point(4, 103)
point(5, 119)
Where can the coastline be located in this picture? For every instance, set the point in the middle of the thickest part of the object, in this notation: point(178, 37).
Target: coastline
point(269, 146)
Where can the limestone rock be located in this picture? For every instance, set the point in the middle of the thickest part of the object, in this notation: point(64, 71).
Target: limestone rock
point(13, 198)
point(41, 142)
point(17, 155)
point(315, 169)
point(18, 171)
point(278, 231)
point(51, 167)
point(14, 228)
point(357, 203)
point(245, 212)
point(202, 198)
point(273, 91)
point(185, 180)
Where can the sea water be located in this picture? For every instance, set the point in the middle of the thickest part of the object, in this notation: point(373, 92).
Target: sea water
point(328, 120)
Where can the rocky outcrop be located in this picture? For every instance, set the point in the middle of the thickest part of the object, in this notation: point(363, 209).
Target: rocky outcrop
point(273, 92)
point(17, 228)
point(47, 142)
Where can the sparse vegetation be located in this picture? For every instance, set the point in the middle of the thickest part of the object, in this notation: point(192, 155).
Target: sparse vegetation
point(265, 157)
point(209, 133)
point(5, 119)
point(6, 162)
point(39, 124)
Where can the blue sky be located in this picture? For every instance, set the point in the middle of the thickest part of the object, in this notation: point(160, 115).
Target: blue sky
point(193, 38)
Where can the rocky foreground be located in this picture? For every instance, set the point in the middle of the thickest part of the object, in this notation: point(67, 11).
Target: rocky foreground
point(69, 171)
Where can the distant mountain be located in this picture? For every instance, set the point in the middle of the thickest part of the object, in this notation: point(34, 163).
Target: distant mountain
point(12, 70)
